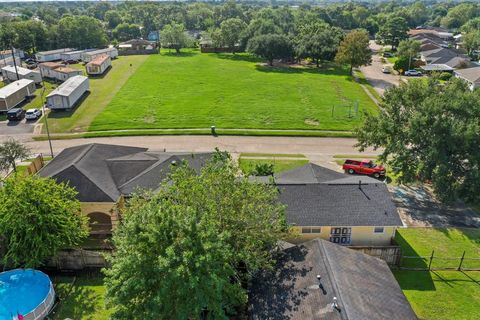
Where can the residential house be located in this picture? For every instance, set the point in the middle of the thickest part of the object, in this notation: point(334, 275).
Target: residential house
point(99, 65)
point(15, 93)
point(319, 280)
point(52, 55)
point(68, 94)
point(137, 46)
point(470, 75)
point(104, 175)
point(47, 69)
point(90, 55)
point(10, 73)
point(444, 56)
point(345, 209)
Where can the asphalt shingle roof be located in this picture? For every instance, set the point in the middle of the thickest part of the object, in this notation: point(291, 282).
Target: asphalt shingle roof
point(363, 285)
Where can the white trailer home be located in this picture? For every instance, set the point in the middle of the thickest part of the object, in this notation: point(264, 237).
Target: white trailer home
point(10, 73)
point(52, 55)
point(8, 53)
point(64, 73)
point(8, 61)
point(74, 56)
point(47, 69)
point(67, 95)
point(90, 55)
point(16, 92)
point(98, 65)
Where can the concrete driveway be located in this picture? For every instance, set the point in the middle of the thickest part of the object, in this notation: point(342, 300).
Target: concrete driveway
point(373, 72)
point(16, 128)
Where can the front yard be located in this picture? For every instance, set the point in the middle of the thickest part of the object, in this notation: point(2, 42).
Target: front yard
point(441, 295)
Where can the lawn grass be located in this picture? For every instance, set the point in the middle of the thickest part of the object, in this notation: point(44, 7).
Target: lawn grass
point(441, 294)
point(194, 90)
point(273, 155)
point(102, 90)
point(81, 298)
point(248, 165)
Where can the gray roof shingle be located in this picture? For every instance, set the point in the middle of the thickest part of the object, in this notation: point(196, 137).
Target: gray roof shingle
point(364, 286)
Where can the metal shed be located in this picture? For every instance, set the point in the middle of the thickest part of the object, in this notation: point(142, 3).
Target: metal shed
point(10, 73)
point(51, 55)
point(16, 92)
point(68, 93)
point(89, 56)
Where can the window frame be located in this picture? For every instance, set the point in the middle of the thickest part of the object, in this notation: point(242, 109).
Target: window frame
point(310, 230)
point(376, 232)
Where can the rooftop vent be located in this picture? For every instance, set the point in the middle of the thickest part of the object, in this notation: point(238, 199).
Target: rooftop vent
point(173, 163)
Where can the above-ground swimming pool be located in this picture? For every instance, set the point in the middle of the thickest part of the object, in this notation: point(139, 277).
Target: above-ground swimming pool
point(25, 292)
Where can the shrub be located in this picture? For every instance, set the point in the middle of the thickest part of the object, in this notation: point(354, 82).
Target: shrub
point(445, 76)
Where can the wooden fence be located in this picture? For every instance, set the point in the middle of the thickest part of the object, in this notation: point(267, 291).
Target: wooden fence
point(78, 259)
point(35, 165)
point(390, 254)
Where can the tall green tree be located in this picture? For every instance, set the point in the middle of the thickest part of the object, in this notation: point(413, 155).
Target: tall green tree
point(38, 217)
point(270, 47)
point(80, 32)
point(174, 36)
point(393, 31)
point(317, 41)
point(231, 31)
point(113, 18)
point(126, 31)
point(10, 152)
point(354, 49)
point(409, 49)
point(201, 235)
point(429, 132)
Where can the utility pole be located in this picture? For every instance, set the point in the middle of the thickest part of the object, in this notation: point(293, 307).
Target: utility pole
point(14, 61)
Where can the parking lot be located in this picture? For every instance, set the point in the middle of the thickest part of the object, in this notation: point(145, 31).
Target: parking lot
point(12, 128)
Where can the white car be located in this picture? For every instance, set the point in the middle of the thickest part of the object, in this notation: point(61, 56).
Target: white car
point(386, 69)
point(33, 114)
point(413, 73)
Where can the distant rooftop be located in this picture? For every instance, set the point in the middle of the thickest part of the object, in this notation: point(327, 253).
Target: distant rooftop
point(21, 71)
point(66, 88)
point(99, 60)
point(55, 51)
point(66, 70)
point(99, 51)
point(13, 87)
point(470, 74)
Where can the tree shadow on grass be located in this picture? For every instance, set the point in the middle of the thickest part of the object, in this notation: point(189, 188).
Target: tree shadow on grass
point(182, 54)
point(238, 57)
point(327, 70)
point(76, 301)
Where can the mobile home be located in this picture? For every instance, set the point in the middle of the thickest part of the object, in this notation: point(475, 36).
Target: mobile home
point(47, 69)
point(68, 93)
point(16, 92)
point(8, 53)
point(8, 61)
point(73, 55)
point(89, 56)
point(10, 73)
point(52, 55)
point(98, 65)
point(64, 73)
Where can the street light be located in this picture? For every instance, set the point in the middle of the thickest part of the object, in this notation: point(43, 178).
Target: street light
point(45, 117)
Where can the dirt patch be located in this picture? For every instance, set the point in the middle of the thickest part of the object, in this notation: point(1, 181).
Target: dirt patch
point(312, 122)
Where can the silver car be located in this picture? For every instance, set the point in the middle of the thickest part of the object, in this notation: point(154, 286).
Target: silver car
point(33, 114)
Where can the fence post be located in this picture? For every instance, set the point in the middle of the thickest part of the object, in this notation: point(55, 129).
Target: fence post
point(461, 261)
point(430, 263)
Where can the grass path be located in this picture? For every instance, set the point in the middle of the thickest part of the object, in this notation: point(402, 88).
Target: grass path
point(102, 90)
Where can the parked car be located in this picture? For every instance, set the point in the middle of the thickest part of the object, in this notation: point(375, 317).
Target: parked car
point(413, 73)
point(387, 70)
point(33, 114)
point(366, 167)
point(15, 114)
point(387, 54)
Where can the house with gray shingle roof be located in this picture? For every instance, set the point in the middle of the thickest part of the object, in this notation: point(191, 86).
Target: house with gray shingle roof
point(319, 280)
point(470, 75)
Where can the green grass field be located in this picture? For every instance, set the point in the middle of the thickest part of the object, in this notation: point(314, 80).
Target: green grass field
point(102, 90)
point(279, 165)
point(194, 90)
point(81, 298)
point(441, 295)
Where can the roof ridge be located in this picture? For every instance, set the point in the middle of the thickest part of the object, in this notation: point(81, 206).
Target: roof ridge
point(155, 164)
point(93, 182)
point(83, 153)
point(331, 274)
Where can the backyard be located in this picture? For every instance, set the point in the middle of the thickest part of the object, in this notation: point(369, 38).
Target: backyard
point(441, 294)
point(281, 162)
point(194, 90)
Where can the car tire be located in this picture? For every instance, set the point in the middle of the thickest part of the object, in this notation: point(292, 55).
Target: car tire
point(376, 175)
point(351, 171)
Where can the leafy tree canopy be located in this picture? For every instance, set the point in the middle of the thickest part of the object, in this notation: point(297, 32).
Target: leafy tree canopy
point(354, 49)
point(393, 31)
point(270, 47)
point(38, 217)
point(10, 152)
point(431, 133)
point(174, 36)
point(201, 235)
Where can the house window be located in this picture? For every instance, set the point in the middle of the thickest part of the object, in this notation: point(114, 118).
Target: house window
point(341, 235)
point(311, 230)
point(378, 230)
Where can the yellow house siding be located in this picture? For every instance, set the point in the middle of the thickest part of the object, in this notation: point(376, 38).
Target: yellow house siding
point(361, 235)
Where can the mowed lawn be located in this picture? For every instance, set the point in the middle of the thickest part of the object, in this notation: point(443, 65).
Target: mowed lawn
point(194, 90)
point(102, 90)
point(441, 295)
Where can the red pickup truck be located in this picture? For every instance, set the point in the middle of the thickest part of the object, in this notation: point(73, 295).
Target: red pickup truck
point(367, 167)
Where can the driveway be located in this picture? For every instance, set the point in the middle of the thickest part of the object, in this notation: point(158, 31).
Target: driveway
point(16, 128)
point(418, 207)
point(373, 72)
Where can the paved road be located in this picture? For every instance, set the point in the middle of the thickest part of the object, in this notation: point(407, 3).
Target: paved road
point(318, 150)
point(373, 73)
